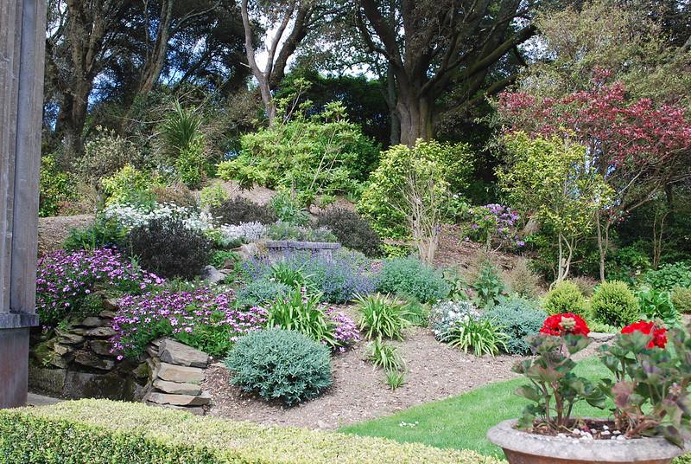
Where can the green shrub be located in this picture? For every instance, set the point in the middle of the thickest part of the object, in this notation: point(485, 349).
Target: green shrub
point(409, 277)
point(286, 231)
point(680, 297)
point(488, 286)
point(213, 195)
point(261, 292)
point(668, 276)
point(102, 233)
point(280, 364)
point(565, 297)
point(445, 315)
point(381, 316)
point(302, 313)
point(384, 355)
point(105, 154)
point(55, 187)
point(614, 303)
point(106, 432)
point(351, 230)
point(288, 210)
point(168, 248)
point(239, 210)
point(523, 281)
point(518, 318)
point(657, 305)
point(129, 186)
point(482, 336)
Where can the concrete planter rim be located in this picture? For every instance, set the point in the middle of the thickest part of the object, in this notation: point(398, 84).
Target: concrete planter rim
point(506, 436)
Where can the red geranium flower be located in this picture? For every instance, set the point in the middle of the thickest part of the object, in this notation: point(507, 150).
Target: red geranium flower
point(657, 334)
point(565, 323)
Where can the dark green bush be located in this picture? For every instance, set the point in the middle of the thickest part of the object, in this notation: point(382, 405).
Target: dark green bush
point(239, 210)
point(518, 318)
point(261, 292)
point(566, 297)
point(169, 249)
point(410, 278)
point(351, 230)
point(280, 364)
point(102, 233)
point(614, 303)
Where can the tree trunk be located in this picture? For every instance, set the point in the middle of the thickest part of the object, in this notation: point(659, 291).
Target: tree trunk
point(415, 115)
point(72, 118)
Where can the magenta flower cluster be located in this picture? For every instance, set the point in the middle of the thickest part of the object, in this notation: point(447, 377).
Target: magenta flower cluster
point(64, 279)
point(345, 331)
point(144, 318)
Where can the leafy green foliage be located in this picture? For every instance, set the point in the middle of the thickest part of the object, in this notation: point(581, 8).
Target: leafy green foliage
point(481, 336)
point(668, 276)
point(351, 230)
point(183, 144)
point(213, 195)
point(409, 277)
point(319, 156)
point(395, 379)
point(651, 387)
point(129, 186)
point(518, 318)
point(261, 292)
point(554, 387)
point(382, 316)
point(288, 210)
point(655, 305)
point(102, 233)
point(614, 303)
point(488, 286)
point(302, 312)
point(106, 153)
point(287, 231)
point(168, 248)
point(280, 364)
point(241, 210)
point(55, 187)
point(680, 297)
point(384, 355)
point(565, 297)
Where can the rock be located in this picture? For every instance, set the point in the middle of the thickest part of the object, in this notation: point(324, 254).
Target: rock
point(179, 400)
point(62, 350)
point(601, 337)
point(101, 347)
point(89, 359)
point(174, 352)
point(213, 275)
point(152, 351)
point(68, 338)
point(100, 332)
point(47, 380)
point(91, 322)
point(110, 304)
point(176, 388)
point(142, 371)
point(180, 374)
point(248, 251)
point(109, 385)
point(107, 314)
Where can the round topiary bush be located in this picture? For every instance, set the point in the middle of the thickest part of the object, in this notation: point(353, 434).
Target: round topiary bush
point(518, 318)
point(566, 297)
point(614, 303)
point(409, 277)
point(351, 230)
point(280, 364)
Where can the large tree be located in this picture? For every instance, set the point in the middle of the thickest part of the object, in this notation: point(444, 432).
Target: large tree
point(431, 46)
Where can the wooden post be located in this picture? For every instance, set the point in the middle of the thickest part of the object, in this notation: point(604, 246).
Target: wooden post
point(22, 45)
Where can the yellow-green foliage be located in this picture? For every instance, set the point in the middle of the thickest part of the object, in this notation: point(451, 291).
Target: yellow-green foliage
point(566, 298)
point(213, 195)
point(128, 185)
point(102, 431)
point(614, 303)
point(56, 186)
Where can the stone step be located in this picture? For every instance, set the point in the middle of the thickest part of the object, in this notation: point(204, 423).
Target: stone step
point(180, 374)
point(176, 388)
point(173, 352)
point(179, 400)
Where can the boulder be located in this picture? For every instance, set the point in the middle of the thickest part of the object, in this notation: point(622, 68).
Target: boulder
point(101, 347)
point(213, 275)
point(91, 322)
point(181, 374)
point(89, 359)
point(176, 388)
point(174, 352)
point(68, 338)
point(100, 332)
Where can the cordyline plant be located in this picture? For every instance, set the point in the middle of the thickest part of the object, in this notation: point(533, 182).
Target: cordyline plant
point(650, 389)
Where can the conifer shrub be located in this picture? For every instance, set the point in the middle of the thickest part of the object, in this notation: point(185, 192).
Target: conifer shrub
point(280, 365)
point(565, 297)
point(614, 303)
point(351, 230)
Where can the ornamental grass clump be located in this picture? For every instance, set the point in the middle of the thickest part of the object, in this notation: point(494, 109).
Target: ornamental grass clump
point(650, 386)
point(200, 318)
point(65, 279)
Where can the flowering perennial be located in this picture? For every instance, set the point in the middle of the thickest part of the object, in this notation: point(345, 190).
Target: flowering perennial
point(130, 216)
point(142, 319)
point(657, 334)
point(563, 324)
point(64, 279)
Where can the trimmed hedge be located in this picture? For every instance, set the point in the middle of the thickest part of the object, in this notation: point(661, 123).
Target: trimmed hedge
point(103, 431)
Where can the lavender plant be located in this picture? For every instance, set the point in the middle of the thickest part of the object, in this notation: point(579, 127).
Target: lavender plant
point(65, 279)
point(494, 225)
point(202, 318)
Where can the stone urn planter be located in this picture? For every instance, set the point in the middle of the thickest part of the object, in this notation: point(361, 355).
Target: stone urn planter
point(522, 447)
point(276, 248)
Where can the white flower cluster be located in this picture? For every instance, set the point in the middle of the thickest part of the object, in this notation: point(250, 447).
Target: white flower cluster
point(446, 314)
point(133, 216)
point(246, 231)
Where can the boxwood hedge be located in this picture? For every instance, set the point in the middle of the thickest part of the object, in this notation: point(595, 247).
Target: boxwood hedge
point(103, 431)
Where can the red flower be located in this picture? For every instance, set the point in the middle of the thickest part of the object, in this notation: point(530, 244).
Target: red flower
point(657, 334)
point(565, 323)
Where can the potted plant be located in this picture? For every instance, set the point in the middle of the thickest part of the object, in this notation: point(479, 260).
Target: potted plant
point(649, 388)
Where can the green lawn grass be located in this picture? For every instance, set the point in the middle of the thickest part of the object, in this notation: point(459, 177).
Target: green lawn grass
point(461, 422)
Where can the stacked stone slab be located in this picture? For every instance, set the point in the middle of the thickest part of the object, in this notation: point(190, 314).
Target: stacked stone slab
point(177, 374)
